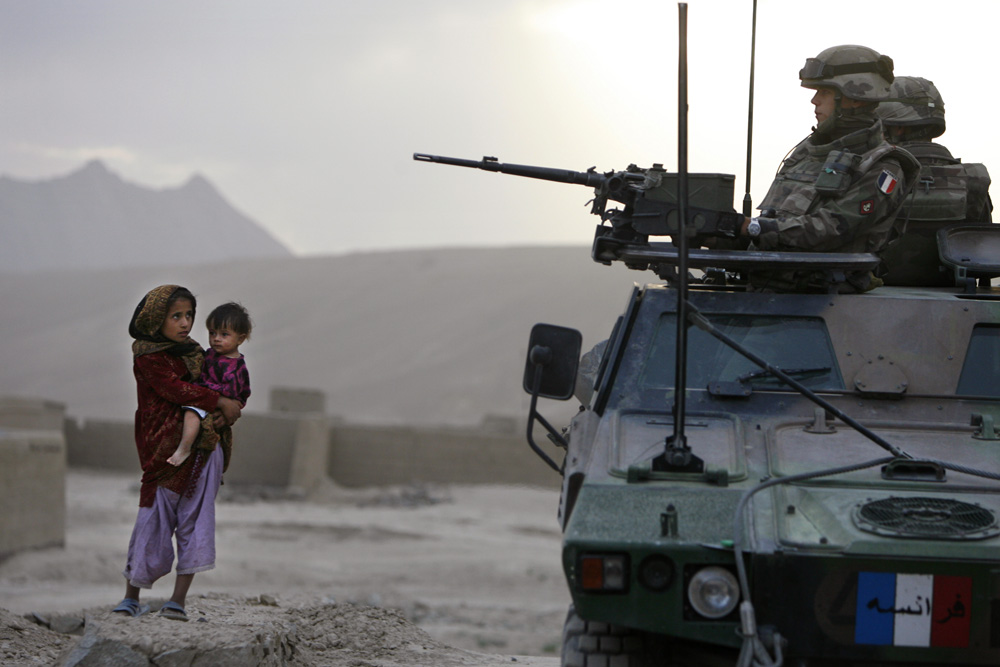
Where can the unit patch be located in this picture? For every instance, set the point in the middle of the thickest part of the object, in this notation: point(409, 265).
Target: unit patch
point(887, 181)
point(867, 206)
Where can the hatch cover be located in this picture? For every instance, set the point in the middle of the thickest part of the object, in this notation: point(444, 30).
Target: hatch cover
point(927, 518)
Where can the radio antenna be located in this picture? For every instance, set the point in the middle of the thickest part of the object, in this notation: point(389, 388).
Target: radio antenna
point(679, 442)
point(677, 454)
point(747, 204)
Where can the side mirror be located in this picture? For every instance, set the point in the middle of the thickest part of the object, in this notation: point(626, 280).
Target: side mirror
point(553, 358)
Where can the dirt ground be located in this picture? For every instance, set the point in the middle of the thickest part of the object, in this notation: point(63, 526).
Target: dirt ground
point(458, 575)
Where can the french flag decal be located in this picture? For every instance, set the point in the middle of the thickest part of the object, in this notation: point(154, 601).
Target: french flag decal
point(887, 181)
point(913, 610)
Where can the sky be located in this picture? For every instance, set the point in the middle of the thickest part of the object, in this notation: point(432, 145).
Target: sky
point(305, 114)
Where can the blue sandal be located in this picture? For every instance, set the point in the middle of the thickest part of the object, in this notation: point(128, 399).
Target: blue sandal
point(130, 607)
point(174, 611)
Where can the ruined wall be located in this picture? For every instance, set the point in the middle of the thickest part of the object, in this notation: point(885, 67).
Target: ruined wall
point(378, 455)
point(270, 449)
point(295, 445)
point(105, 445)
point(32, 475)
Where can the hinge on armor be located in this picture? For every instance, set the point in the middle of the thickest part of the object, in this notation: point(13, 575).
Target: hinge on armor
point(963, 280)
point(987, 431)
point(819, 424)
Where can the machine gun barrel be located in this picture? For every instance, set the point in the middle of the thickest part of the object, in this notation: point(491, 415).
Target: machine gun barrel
point(649, 197)
point(589, 178)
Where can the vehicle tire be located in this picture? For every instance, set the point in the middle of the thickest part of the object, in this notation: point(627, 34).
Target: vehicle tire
point(595, 644)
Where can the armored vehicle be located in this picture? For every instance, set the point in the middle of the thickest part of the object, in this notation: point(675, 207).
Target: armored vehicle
point(763, 478)
point(760, 478)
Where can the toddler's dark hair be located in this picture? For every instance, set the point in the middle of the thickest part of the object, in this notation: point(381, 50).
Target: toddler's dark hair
point(230, 316)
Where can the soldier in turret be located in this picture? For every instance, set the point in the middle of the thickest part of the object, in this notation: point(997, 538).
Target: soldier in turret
point(842, 187)
point(948, 191)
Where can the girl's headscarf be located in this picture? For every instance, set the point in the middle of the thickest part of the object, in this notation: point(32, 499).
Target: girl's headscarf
point(147, 320)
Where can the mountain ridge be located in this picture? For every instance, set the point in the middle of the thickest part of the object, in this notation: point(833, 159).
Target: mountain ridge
point(91, 218)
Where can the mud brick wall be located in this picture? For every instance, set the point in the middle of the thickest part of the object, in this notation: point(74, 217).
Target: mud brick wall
point(32, 475)
point(295, 445)
point(378, 455)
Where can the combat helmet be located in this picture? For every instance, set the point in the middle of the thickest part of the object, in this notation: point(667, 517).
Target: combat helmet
point(854, 71)
point(915, 102)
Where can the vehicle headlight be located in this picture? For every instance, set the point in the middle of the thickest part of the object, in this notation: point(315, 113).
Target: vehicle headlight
point(713, 592)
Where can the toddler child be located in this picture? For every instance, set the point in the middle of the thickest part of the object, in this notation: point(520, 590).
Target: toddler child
point(224, 370)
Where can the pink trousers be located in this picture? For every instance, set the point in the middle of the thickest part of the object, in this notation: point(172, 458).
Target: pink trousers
point(190, 520)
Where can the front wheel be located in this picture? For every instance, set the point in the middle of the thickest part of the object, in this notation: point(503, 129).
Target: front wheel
point(596, 644)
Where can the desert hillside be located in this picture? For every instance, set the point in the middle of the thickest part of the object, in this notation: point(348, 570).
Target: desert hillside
point(422, 337)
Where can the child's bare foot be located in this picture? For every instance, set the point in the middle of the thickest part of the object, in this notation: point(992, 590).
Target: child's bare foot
point(178, 457)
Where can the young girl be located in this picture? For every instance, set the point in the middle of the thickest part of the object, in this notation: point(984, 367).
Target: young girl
point(223, 371)
point(173, 501)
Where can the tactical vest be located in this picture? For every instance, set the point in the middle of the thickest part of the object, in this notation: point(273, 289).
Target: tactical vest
point(947, 192)
point(815, 174)
point(807, 178)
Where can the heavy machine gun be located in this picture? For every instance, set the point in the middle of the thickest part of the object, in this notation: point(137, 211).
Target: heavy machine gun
point(649, 197)
point(651, 207)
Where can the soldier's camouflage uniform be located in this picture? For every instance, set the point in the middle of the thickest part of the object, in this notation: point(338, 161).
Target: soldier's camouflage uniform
point(840, 189)
point(841, 196)
point(948, 191)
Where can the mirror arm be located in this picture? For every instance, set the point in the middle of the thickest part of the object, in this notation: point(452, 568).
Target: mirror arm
point(533, 416)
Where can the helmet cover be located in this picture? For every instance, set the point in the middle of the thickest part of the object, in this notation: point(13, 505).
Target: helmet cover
point(856, 72)
point(914, 102)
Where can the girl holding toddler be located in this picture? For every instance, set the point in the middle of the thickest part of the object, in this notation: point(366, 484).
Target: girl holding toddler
point(175, 501)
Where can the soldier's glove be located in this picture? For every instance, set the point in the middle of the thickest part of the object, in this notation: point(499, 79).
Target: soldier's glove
point(729, 225)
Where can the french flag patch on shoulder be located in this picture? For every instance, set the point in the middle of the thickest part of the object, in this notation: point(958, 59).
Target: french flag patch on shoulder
point(887, 181)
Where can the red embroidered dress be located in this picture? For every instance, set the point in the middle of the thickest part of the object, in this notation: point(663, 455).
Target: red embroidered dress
point(163, 385)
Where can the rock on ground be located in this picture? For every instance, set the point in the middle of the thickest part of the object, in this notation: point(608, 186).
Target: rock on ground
point(23, 642)
point(226, 631)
